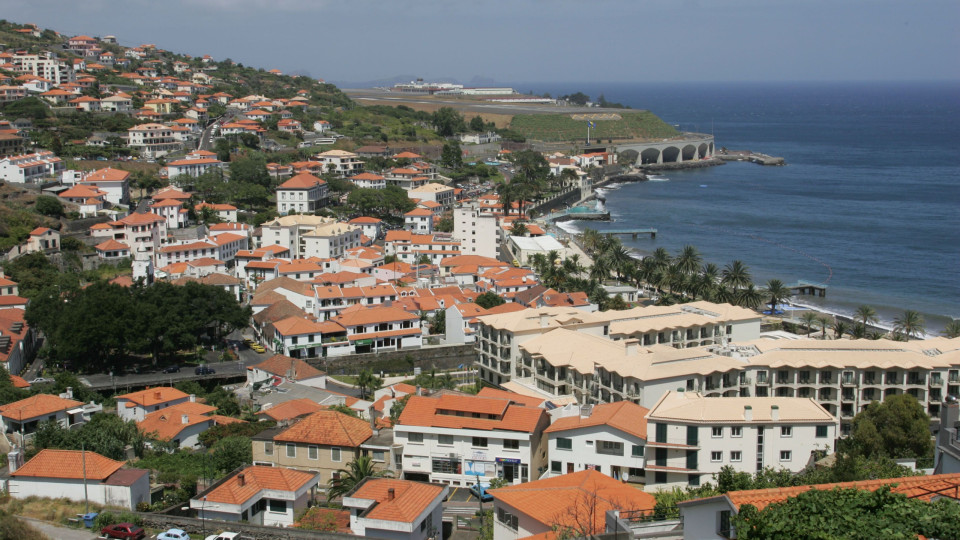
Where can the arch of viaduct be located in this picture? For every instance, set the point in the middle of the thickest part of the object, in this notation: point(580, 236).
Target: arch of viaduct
point(693, 146)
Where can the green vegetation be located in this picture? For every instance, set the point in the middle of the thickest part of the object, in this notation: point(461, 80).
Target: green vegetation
point(347, 479)
point(105, 434)
point(563, 127)
point(896, 427)
point(240, 429)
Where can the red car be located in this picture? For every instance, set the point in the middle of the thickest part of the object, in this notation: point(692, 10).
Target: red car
point(123, 530)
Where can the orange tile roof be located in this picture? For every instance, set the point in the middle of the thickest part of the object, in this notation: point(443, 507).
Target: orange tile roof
point(625, 416)
point(68, 464)
point(37, 405)
point(329, 428)
point(374, 315)
point(256, 479)
point(281, 365)
point(301, 181)
point(423, 411)
point(107, 175)
point(292, 409)
point(192, 407)
point(167, 423)
point(410, 499)
point(19, 381)
point(519, 399)
point(559, 500)
point(154, 396)
point(914, 487)
point(111, 245)
point(220, 420)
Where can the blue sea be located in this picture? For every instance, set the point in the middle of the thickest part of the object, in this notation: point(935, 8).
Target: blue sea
point(869, 201)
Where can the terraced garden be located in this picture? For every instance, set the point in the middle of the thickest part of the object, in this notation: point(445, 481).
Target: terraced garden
point(633, 125)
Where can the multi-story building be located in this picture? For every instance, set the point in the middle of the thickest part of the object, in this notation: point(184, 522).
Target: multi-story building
point(304, 193)
point(375, 329)
point(691, 437)
point(411, 248)
point(137, 405)
point(476, 232)
point(609, 438)
point(44, 65)
point(194, 164)
point(153, 140)
point(398, 509)
point(369, 180)
point(340, 162)
point(406, 178)
point(114, 182)
point(268, 496)
point(30, 167)
point(438, 193)
point(459, 440)
point(311, 236)
point(138, 231)
point(418, 221)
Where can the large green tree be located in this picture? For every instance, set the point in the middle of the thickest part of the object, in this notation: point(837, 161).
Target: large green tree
point(448, 122)
point(452, 155)
point(896, 427)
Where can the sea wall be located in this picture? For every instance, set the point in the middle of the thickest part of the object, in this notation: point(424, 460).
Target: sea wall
point(440, 357)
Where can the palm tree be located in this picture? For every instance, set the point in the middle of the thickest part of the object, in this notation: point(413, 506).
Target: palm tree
point(366, 380)
point(839, 329)
point(910, 324)
point(865, 314)
point(688, 261)
point(590, 239)
point(600, 269)
point(619, 259)
point(748, 297)
point(508, 195)
point(736, 275)
point(349, 478)
point(660, 258)
point(824, 323)
point(952, 329)
point(722, 294)
point(809, 319)
point(778, 292)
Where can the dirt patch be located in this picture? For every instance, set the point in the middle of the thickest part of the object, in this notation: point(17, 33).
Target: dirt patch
point(132, 166)
point(500, 120)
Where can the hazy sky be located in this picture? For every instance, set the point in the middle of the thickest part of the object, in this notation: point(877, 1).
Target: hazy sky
point(537, 40)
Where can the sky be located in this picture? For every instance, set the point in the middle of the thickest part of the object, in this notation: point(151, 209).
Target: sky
point(536, 40)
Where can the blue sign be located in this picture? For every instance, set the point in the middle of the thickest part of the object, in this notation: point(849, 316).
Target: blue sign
point(514, 461)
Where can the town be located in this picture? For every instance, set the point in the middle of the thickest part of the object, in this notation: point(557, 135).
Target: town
point(236, 302)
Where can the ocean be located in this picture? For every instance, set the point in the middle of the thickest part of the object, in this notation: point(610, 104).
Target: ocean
point(869, 201)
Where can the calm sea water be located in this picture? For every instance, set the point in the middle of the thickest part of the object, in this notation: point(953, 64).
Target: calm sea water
point(869, 201)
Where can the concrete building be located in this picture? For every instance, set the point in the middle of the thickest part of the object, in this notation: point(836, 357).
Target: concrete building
point(21, 418)
point(438, 193)
point(269, 496)
point(694, 436)
point(476, 232)
point(396, 509)
point(340, 162)
point(304, 194)
point(136, 405)
point(153, 140)
point(29, 168)
point(418, 221)
point(311, 236)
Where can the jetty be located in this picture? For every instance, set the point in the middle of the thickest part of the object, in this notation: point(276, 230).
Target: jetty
point(809, 288)
point(753, 157)
point(633, 232)
point(578, 213)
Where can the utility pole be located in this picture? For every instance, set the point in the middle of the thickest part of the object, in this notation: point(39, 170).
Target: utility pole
point(86, 499)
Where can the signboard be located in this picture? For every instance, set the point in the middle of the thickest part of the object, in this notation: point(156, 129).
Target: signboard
point(364, 342)
point(514, 461)
point(481, 468)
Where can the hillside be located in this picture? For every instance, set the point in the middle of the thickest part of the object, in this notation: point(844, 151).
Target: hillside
point(632, 125)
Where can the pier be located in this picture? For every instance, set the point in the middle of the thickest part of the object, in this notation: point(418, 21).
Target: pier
point(753, 157)
point(633, 232)
point(808, 288)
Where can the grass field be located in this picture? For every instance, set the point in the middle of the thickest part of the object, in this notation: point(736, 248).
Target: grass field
point(642, 125)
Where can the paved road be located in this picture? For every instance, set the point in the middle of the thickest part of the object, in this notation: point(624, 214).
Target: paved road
point(474, 105)
point(58, 532)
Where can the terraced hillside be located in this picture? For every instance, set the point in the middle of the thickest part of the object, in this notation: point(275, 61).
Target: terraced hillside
point(633, 125)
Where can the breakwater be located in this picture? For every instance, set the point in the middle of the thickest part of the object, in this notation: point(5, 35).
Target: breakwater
point(753, 157)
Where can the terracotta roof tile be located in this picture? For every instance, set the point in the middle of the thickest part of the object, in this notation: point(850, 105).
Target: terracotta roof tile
point(292, 409)
point(410, 499)
point(281, 365)
point(625, 416)
point(329, 428)
point(257, 479)
point(427, 411)
point(37, 405)
point(68, 464)
point(154, 396)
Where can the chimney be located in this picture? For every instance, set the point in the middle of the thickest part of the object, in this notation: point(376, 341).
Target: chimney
point(775, 413)
point(586, 411)
point(748, 413)
point(193, 398)
point(241, 479)
point(419, 390)
point(157, 394)
point(544, 320)
point(390, 494)
point(185, 418)
point(631, 347)
point(14, 459)
point(69, 392)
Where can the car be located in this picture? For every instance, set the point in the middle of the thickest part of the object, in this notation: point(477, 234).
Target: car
point(248, 341)
point(204, 370)
point(123, 530)
point(41, 380)
point(258, 347)
point(171, 369)
point(173, 534)
point(480, 491)
point(224, 536)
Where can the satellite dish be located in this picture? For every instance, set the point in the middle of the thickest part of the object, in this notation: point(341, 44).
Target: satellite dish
point(626, 477)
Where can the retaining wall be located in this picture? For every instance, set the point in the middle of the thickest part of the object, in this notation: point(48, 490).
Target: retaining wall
point(440, 357)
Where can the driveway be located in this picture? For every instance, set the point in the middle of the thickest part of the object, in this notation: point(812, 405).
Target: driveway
point(59, 532)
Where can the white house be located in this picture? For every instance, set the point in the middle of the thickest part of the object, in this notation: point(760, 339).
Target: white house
point(371, 227)
point(438, 193)
point(456, 439)
point(21, 418)
point(418, 221)
point(136, 405)
point(374, 329)
point(694, 436)
point(30, 167)
point(79, 476)
point(304, 194)
point(179, 424)
point(340, 162)
point(477, 232)
point(396, 509)
point(270, 496)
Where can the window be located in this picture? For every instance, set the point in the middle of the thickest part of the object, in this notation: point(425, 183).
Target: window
point(313, 452)
point(659, 477)
point(661, 433)
point(291, 450)
point(279, 507)
point(268, 448)
point(423, 525)
point(479, 442)
point(379, 455)
point(786, 431)
point(446, 466)
point(716, 432)
point(507, 519)
point(821, 431)
point(716, 456)
point(785, 455)
point(415, 438)
point(637, 451)
point(511, 444)
point(556, 467)
point(445, 439)
point(334, 454)
point(693, 480)
point(736, 431)
point(723, 527)
point(610, 448)
point(736, 455)
point(564, 444)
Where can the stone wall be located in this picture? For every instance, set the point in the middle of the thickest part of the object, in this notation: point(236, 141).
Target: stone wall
point(440, 357)
point(197, 528)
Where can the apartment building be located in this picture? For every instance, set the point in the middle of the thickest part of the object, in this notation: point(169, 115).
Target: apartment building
point(194, 164)
point(457, 440)
point(340, 162)
point(691, 436)
point(439, 193)
point(29, 168)
point(418, 221)
point(304, 193)
point(369, 180)
point(153, 140)
point(311, 236)
point(138, 231)
point(44, 65)
point(374, 329)
point(411, 248)
point(476, 232)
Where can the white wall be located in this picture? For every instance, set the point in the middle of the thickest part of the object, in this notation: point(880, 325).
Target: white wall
point(125, 497)
point(417, 457)
point(137, 413)
point(701, 521)
point(585, 442)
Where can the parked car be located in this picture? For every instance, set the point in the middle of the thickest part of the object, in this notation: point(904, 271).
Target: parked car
point(204, 370)
point(171, 369)
point(173, 534)
point(123, 530)
point(41, 380)
point(258, 347)
point(224, 536)
point(480, 492)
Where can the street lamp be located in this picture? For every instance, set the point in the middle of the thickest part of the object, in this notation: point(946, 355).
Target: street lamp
point(203, 525)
